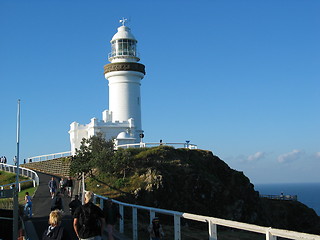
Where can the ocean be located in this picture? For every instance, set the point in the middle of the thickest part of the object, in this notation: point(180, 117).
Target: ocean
point(308, 193)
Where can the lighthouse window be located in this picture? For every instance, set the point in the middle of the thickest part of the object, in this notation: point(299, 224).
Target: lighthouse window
point(123, 47)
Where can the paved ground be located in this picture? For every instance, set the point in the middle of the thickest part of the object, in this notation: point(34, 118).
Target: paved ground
point(41, 203)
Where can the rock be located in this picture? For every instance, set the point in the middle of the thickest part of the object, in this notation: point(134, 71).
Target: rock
point(196, 181)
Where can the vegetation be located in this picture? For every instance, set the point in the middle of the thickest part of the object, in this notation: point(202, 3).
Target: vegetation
point(8, 178)
point(114, 173)
point(94, 153)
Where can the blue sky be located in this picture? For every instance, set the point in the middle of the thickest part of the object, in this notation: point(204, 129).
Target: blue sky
point(239, 78)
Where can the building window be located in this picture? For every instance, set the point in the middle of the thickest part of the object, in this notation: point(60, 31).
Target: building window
point(124, 47)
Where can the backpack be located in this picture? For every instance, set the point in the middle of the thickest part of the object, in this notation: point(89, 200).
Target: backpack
point(87, 218)
point(57, 204)
point(52, 235)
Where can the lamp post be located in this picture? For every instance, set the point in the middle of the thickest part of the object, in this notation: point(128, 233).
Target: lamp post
point(16, 189)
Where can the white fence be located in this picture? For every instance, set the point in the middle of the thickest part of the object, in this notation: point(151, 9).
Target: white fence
point(270, 233)
point(48, 157)
point(143, 145)
point(22, 171)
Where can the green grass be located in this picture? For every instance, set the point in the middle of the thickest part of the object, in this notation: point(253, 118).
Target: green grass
point(6, 178)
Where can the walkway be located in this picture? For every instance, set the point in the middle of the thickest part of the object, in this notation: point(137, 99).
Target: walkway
point(41, 204)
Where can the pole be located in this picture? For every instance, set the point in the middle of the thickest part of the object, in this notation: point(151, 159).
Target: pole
point(15, 197)
point(83, 187)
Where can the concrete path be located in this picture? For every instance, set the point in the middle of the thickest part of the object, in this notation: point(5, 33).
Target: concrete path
point(41, 204)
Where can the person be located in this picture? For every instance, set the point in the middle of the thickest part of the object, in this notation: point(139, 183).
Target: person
point(61, 185)
point(69, 185)
point(112, 214)
point(55, 231)
point(28, 205)
point(74, 204)
point(52, 187)
point(155, 229)
point(56, 202)
point(88, 222)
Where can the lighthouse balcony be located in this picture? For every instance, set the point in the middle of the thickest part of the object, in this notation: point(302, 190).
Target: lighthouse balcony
point(123, 57)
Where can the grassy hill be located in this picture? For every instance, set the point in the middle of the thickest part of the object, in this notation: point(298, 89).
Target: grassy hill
point(196, 181)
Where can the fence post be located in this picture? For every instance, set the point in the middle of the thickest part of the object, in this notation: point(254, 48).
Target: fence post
point(101, 203)
point(269, 235)
point(121, 223)
point(213, 234)
point(19, 187)
point(152, 215)
point(135, 223)
point(177, 230)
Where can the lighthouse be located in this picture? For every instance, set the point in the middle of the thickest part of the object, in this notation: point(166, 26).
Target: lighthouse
point(124, 75)
point(122, 122)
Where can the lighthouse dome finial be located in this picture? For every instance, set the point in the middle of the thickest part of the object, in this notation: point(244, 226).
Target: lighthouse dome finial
point(123, 21)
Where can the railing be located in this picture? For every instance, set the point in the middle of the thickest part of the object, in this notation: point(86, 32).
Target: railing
point(22, 171)
point(48, 157)
point(270, 233)
point(281, 197)
point(143, 145)
point(10, 184)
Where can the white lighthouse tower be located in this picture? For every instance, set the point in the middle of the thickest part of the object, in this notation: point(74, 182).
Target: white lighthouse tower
point(123, 119)
point(124, 74)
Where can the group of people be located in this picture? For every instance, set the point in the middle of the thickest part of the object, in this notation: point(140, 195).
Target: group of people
point(64, 187)
point(3, 159)
point(89, 221)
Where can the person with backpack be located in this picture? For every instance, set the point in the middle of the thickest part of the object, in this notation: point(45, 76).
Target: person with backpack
point(74, 204)
point(56, 202)
point(55, 231)
point(88, 222)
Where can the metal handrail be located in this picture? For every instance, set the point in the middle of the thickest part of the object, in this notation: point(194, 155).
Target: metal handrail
point(143, 145)
point(10, 184)
point(270, 233)
point(22, 171)
point(48, 156)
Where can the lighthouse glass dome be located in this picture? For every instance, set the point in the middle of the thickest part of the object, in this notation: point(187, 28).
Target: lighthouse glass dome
point(123, 47)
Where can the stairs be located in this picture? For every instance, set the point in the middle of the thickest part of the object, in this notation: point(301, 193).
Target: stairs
point(58, 167)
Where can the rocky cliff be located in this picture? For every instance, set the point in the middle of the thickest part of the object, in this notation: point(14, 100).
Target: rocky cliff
point(196, 181)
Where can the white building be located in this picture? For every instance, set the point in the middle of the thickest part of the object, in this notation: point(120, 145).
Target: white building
point(123, 119)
